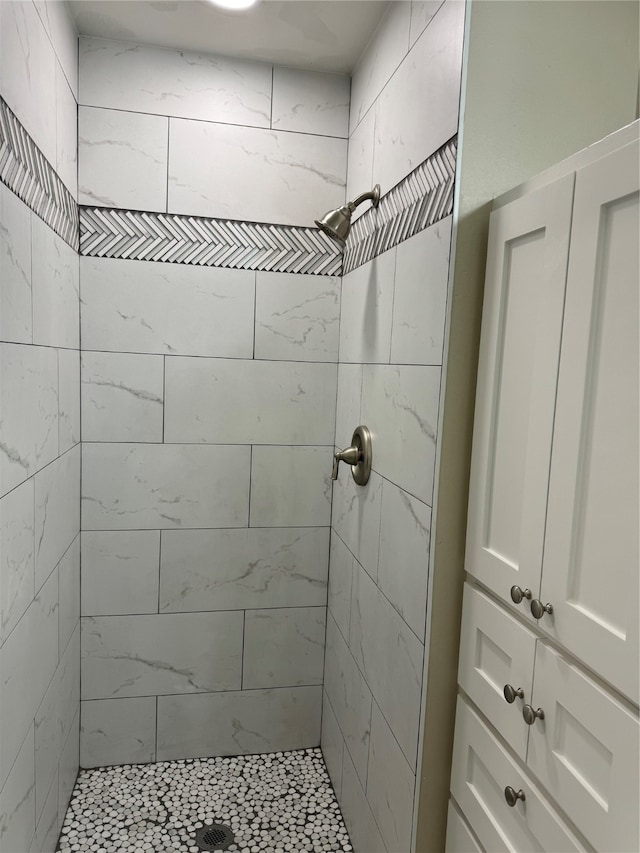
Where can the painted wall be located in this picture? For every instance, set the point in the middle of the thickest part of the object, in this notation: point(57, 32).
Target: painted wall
point(208, 406)
point(39, 437)
point(404, 106)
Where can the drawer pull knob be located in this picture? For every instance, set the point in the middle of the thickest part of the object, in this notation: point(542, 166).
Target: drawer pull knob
point(517, 594)
point(512, 796)
point(510, 693)
point(530, 714)
point(538, 609)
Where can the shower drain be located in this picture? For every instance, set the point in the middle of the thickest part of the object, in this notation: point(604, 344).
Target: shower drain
point(214, 836)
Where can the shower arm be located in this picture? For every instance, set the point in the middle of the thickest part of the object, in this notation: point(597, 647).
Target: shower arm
point(373, 194)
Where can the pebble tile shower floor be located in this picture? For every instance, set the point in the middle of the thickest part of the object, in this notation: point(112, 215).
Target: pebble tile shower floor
point(276, 802)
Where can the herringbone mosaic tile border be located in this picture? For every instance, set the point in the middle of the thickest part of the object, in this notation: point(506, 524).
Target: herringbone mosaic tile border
point(27, 173)
point(421, 199)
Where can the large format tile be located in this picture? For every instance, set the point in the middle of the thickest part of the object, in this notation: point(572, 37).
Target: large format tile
point(57, 516)
point(237, 569)
point(68, 399)
point(348, 402)
point(120, 572)
point(360, 177)
point(294, 177)
point(290, 486)
point(349, 695)
point(429, 76)
point(29, 405)
point(249, 402)
point(17, 560)
point(400, 407)
point(283, 647)
point(297, 316)
point(45, 839)
point(341, 567)
point(367, 310)
point(15, 269)
point(238, 722)
point(17, 800)
point(122, 397)
point(68, 594)
point(355, 515)
point(332, 745)
point(146, 79)
point(310, 102)
point(390, 657)
point(55, 277)
point(422, 12)
point(122, 159)
point(117, 731)
point(420, 299)
point(363, 830)
point(138, 306)
point(158, 654)
point(150, 486)
point(59, 23)
point(69, 765)
point(66, 132)
point(403, 562)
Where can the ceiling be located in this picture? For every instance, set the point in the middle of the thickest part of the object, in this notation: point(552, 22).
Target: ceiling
point(322, 35)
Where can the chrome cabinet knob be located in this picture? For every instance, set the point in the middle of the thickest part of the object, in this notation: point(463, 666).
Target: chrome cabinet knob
point(530, 714)
point(538, 609)
point(512, 796)
point(517, 594)
point(510, 693)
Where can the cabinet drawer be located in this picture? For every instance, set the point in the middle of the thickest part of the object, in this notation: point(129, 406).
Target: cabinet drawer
point(495, 650)
point(481, 770)
point(585, 752)
point(459, 837)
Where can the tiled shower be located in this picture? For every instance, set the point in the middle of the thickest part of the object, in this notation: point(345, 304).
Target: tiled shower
point(181, 356)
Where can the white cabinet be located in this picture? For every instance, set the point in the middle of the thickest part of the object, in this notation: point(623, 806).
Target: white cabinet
point(554, 512)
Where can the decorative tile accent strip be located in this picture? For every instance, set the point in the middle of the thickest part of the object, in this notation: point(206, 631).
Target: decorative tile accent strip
point(27, 172)
point(173, 238)
point(422, 198)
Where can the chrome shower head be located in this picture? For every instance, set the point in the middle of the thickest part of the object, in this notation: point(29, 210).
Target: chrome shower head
point(336, 223)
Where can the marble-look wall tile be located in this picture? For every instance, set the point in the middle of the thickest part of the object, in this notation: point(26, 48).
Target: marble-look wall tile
point(17, 800)
point(332, 745)
point(390, 657)
point(158, 654)
point(122, 159)
point(55, 279)
point(360, 177)
point(400, 406)
point(29, 404)
point(249, 402)
point(68, 399)
point(422, 12)
point(283, 647)
point(420, 300)
point(59, 24)
point(356, 515)
point(145, 79)
point(120, 572)
point(367, 309)
point(382, 56)
point(349, 695)
point(151, 486)
point(69, 765)
point(341, 567)
point(69, 593)
point(237, 569)
point(390, 785)
point(403, 564)
point(57, 517)
point(238, 723)
point(17, 561)
point(292, 175)
point(66, 133)
point(15, 269)
point(146, 307)
point(45, 839)
point(430, 76)
point(122, 397)
point(297, 317)
point(356, 811)
point(290, 486)
point(348, 402)
point(117, 731)
point(310, 102)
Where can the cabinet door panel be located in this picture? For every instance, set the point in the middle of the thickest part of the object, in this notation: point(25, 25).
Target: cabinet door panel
point(517, 374)
point(495, 649)
point(585, 753)
point(591, 551)
point(459, 837)
point(481, 770)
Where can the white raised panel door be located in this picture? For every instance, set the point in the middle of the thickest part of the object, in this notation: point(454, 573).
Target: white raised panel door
point(459, 837)
point(586, 752)
point(517, 375)
point(590, 572)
